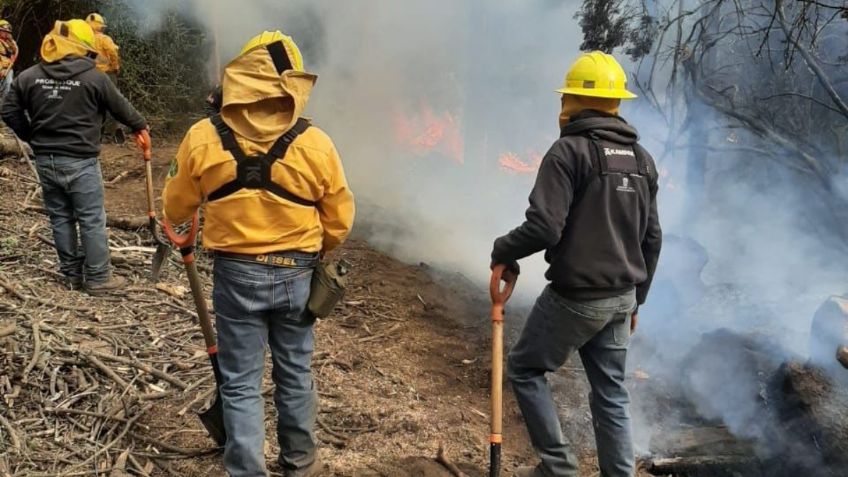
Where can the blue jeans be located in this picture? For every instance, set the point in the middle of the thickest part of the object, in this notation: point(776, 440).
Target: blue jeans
point(600, 331)
point(73, 197)
point(255, 305)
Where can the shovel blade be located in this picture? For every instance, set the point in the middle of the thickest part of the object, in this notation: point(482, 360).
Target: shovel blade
point(213, 420)
point(159, 258)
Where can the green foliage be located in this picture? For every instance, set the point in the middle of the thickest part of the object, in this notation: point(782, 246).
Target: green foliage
point(164, 72)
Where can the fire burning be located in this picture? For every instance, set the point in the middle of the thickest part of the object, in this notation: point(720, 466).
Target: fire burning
point(426, 132)
point(515, 164)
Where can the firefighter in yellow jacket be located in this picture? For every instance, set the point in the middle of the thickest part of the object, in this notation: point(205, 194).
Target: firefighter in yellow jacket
point(108, 61)
point(272, 185)
point(108, 56)
point(8, 56)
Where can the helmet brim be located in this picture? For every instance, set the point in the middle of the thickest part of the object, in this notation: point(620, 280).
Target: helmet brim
point(598, 93)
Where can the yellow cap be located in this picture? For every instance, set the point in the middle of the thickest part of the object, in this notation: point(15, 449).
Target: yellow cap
point(268, 37)
point(5, 26)
point(598, 75)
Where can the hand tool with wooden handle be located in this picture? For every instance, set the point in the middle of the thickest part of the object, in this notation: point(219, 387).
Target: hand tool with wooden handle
point(213, 417)
point(163, 248)
point(499, 299)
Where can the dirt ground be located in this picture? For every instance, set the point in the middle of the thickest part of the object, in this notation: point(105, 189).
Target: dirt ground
point(401, 368)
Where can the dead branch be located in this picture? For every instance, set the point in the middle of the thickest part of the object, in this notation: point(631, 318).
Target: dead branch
point(141, 366)
point(36, 351)
point(441, 458)
point(13, 434)
point(106, 370)
point(812, 63)
point(7, 329)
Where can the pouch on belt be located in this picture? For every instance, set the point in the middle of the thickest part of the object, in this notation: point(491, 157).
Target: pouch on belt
point(328, 287)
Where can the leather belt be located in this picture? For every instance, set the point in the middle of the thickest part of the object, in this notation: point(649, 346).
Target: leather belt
point(275, 259)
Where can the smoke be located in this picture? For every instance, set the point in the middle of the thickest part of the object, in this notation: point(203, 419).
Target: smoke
point(424, 97)
point(485, 71)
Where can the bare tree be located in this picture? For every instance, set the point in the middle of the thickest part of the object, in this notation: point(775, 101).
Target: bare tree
point(776, 72)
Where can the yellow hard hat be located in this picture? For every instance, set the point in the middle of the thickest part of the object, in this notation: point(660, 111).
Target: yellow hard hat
point(598, 75)
point(96, 21)
point(268, 37)
point(77, 30)
point(5, 26)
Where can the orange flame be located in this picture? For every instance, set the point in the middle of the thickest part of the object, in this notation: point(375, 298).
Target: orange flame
point(427, 132)
point(513, 163)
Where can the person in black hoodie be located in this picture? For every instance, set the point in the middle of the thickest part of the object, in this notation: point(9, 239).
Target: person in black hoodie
point(58, 107)
point(594, 212)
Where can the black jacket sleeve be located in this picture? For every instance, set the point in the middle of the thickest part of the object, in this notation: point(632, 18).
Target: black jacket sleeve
point(651, 245)
point(550, 202)
point(120, 107)
point(14, 112)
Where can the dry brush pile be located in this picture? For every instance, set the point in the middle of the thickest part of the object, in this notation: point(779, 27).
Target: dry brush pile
point(79, 375)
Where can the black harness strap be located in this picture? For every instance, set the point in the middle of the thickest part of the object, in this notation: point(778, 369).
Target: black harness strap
point(254, 172)
point(280, 57)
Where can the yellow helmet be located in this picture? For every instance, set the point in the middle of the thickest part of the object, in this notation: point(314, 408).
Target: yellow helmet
point(77, 30)
point(96, 21)
point(598, 75)
point(5, 26)
point(268, 37)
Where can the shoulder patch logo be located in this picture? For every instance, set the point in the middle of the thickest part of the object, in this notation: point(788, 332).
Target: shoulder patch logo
point(175, 168)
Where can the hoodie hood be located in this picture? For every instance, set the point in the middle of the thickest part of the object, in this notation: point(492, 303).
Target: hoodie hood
point(68, 67)
point(56, 47)
point(259, 103)
point(604, 125)
point(572, 105)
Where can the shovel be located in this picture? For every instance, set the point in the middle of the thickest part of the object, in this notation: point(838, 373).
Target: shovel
point(163, 248)
point(213, 417)
point(499, 298)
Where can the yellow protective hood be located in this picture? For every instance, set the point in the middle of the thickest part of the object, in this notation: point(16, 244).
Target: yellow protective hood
point(55, 46)
point(259, 103)
point(573, 105)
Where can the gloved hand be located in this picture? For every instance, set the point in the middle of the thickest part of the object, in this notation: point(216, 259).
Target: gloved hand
point(143, 141)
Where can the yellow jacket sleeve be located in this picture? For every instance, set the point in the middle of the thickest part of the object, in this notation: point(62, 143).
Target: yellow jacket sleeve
point(336, 208)
point(111, 50)
point(182, 194)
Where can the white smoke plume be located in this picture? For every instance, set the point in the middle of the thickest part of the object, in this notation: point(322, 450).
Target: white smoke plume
point(423, 99)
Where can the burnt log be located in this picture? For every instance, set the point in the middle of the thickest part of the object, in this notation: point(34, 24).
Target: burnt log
point(712, 466)
point(842, 356)
point(794, 414)
point(812, 410)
